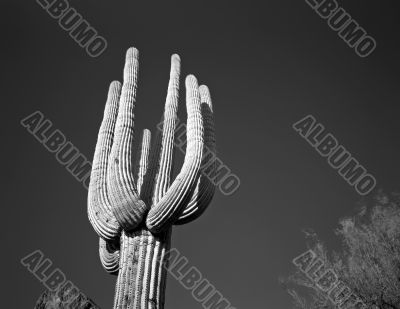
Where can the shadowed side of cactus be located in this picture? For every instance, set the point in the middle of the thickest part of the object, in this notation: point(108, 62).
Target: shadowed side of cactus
point(133, 209)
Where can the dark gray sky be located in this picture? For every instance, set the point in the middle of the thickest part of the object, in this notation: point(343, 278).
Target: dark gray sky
point(268, 64)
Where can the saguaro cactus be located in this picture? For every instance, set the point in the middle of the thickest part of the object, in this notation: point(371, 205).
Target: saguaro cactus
point(133, 209)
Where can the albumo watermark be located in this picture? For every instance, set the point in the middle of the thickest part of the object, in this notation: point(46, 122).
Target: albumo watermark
point(346, 27)
point(51, 277)
point(194, 281)
point(222, 176)
point(337, 156)
point(55, 142)
point(327, 281)
point(78, 28)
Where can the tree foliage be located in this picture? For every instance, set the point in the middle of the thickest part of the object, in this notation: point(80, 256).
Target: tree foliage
point(368, 261)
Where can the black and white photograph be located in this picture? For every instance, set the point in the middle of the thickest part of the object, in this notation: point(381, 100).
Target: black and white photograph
point(201, 154)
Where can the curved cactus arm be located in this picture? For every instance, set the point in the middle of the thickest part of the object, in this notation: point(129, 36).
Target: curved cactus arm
point(157, 182)
point(142, 161)
point(128, 209)
point(162, 214)
point(109, 256)
point(99, 209)
point(205, 187)
point(161, 156)
point(163, 174)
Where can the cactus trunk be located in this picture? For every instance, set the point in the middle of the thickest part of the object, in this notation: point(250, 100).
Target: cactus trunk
point(143, 270)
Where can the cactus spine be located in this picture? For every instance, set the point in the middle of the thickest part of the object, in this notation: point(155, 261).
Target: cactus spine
point(133, 209)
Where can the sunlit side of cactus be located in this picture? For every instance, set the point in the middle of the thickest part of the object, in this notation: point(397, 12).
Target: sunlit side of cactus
point(133, 209)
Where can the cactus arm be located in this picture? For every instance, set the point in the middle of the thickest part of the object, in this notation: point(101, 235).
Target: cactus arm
point(148, 180)
point(205, 188)
point(163, 175)
point(109, 256)
point(99, 209)
point(165, 211)
point(161, 156)
point(128, 209)
point(142, 160)
point(108, 251)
